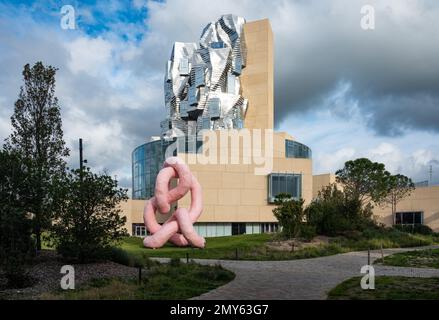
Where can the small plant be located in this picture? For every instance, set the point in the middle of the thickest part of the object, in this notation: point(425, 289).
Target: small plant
point(291, 216)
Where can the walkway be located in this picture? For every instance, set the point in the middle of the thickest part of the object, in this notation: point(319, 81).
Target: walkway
point(301, 279)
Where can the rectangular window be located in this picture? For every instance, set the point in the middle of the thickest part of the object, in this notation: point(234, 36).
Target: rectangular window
point(409, 218)
point(238, 228)
point(289, 183)
point(139, 230)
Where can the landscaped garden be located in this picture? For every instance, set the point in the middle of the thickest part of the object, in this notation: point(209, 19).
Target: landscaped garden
point(415, 259)
point(388, 288)
point(174, 280)
point(274, 247)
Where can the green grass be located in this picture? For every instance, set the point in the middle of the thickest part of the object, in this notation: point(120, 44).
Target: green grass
point(250, 247)
point(388, 288)
point(167, 281)
point(253, 247)
point(416, 259)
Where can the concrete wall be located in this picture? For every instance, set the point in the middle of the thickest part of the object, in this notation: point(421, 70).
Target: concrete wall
point(320, 181)
point(257, 79)
point(234, 193)
point(422, 199)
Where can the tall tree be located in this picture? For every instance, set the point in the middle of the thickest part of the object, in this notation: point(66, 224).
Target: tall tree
point(399, 187)
point(364, 180)
point(38, 136)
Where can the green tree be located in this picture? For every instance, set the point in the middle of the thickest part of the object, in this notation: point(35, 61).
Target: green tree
point(399, 187)
point(364, 180)
point(89, 219)
point(15, 228)
point(38, 136)
point(291, 216)
point(332, 212)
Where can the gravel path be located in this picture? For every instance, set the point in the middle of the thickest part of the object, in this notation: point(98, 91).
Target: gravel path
point(46, 271)
point(301, 279)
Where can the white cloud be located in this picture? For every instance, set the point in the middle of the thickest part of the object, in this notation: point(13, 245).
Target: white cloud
point(89, 55)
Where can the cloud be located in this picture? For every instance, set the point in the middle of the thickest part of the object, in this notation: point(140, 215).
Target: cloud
point(344, 91)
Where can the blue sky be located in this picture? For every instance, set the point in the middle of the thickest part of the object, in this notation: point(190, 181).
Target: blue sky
point(343, 91)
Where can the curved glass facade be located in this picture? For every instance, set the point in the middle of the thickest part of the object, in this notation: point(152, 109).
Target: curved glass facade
point(147, 160)
point(294, 149)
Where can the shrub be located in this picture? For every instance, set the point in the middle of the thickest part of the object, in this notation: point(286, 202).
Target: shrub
point(175, 262)
point(417, 228)
point(124, 257)
point(290, 214)
point(88, 219)
point(334, 213)
point(15, 226)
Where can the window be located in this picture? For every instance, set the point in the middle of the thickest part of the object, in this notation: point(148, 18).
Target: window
point(139, 230)
point(409, 218)
point(284, 183)
point(294, 149)
point(269, 227)
point(238, 228)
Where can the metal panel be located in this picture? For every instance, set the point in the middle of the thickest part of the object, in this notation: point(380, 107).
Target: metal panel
point(207, 76)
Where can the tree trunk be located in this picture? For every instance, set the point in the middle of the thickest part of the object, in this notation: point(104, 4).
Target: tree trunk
point(38, 237)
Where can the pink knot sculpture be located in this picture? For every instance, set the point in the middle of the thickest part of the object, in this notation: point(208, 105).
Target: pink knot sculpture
point(179, 228)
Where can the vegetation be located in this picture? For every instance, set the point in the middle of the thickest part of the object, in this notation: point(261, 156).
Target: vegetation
point(291, 216)
point(38, 137)
point(399, 187)
point(364, 180)
point(333, 213)
point(15, 227)
point(172, 281)
point(388, 288)
point(256, 246)
point(415, 259)
point(88, 219)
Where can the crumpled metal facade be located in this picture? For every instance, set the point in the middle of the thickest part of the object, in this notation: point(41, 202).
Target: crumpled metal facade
point(202, 82)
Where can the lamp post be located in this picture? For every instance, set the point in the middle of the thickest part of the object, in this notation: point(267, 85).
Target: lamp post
point(81, 160)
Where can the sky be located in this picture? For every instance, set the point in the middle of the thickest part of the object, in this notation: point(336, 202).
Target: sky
point(344, 91)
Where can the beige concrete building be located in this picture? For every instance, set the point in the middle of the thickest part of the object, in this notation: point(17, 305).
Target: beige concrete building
point(237, 199)
point(420, 207)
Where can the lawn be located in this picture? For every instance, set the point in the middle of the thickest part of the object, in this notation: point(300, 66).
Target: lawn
point(174, 281)
point(253, 247)
point(388, 288)
point(416, 259)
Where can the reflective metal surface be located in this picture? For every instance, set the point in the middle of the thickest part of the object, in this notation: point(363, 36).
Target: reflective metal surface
point(202, 82)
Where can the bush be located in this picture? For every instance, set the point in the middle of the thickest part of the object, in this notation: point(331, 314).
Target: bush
point(290, 214)
point(88, 219)
point(121, 256)
point(175, 262)
point(417, 228)
point(334, 213)
point(15, 226)
point(307, 232)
